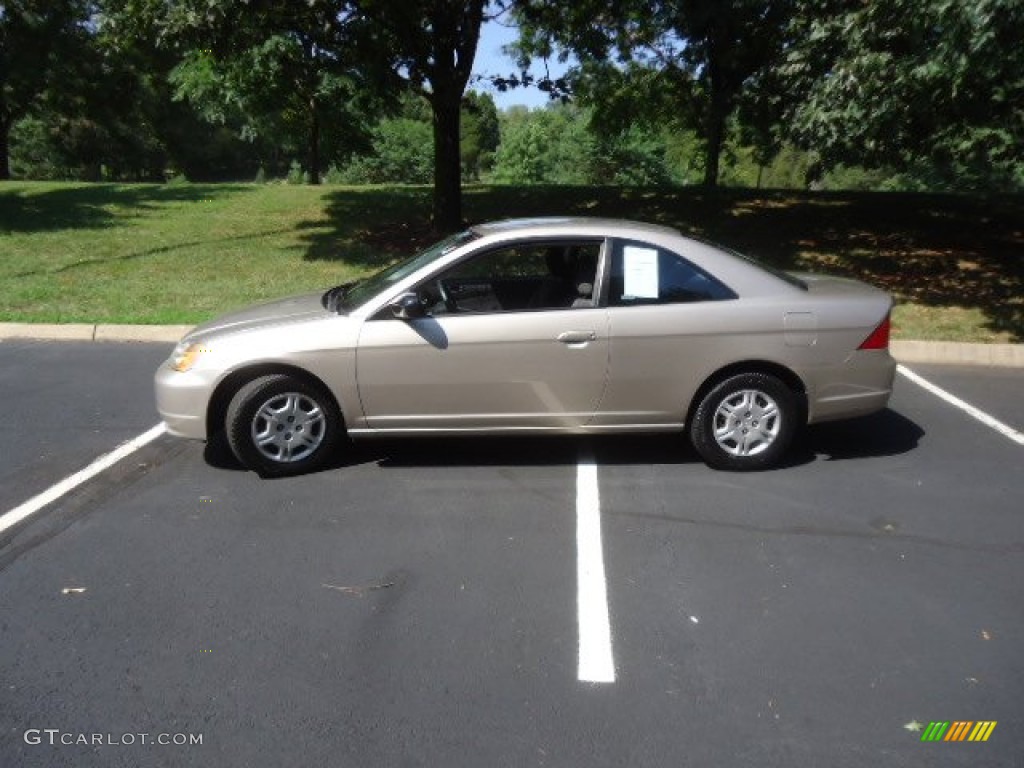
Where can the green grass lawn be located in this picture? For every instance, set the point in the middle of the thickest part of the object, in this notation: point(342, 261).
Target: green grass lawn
point(103, 253)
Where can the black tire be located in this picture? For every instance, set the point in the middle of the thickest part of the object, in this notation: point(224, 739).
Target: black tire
point(745, 422)
point(300, 421)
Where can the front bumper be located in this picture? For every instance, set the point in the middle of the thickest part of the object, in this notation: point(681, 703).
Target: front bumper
point(182, 400)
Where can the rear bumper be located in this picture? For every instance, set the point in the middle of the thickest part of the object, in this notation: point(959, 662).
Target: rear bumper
point(859, 386)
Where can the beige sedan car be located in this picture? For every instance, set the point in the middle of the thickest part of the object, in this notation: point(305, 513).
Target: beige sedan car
point(539, 326)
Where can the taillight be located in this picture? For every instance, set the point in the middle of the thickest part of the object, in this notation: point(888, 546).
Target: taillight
point(879, 338)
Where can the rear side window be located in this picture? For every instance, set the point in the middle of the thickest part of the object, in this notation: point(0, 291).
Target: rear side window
point(645, 274)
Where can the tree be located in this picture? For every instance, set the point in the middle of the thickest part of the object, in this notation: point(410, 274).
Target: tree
point(894, 83)
point(432, 43)
point(480, 134)
point(290, 70)
point(135, 98)
point(528, 138)
point(694, 58)
point(400, 153)
point(558, 145)
point(102, 117)
point(38, 40)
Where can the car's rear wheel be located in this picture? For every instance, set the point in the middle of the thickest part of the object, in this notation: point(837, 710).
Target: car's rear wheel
point(745, 422)
point(282, 425)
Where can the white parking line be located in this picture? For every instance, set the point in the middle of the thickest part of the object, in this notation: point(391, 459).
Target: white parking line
point(984, 418)
point(68, 484)
point(595, 636)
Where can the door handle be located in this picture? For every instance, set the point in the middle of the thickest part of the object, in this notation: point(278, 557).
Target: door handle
point(577, 337)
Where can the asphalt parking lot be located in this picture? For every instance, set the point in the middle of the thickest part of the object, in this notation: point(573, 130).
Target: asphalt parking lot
point(417, 604)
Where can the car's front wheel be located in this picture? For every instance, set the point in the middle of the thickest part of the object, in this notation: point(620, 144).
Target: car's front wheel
point(745, 422)
point(282, 425)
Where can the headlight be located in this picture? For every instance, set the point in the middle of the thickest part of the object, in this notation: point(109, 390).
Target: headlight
point(185, 356)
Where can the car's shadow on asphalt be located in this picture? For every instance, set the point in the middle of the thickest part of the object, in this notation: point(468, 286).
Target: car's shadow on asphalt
point(886, 433)
point(217, 454)
point(528, 451)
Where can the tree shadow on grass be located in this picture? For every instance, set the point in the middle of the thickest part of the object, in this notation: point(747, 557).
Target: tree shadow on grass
point(370, 227)
point(932, 250)
point(27, 208)
point(138, 255)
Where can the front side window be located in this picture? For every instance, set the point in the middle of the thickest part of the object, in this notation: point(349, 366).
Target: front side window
point(517, 278)
point(645, 274)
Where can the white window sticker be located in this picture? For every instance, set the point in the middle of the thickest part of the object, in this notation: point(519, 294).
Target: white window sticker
point(640, 273)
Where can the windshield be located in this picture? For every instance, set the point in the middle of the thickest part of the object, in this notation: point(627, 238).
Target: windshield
point(366, 289)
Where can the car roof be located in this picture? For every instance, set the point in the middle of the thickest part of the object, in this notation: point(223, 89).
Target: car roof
point(556, 225)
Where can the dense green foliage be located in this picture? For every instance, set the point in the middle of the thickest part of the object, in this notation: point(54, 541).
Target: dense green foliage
point(41, 42)
point(559, 146)
point(933, 89)
point(400, 151)
point(921, 93)
point(277, 69)
point(688, 62)
point(401, 148)
point(822, 94)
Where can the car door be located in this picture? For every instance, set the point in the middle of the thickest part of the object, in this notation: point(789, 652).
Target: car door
point(511, 339)
point(670, 324)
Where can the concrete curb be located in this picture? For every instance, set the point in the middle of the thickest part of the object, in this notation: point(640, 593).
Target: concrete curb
point(958, 353)
point(86, 332)
point(939, 352)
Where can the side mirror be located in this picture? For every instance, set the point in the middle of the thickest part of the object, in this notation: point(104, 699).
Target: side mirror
point(407, 307)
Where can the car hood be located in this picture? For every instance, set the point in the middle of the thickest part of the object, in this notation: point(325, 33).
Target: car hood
point(281, 312)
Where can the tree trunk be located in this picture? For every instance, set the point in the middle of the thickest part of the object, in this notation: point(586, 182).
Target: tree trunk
point(447, 163)
point(713, 149)
point(714, 129)
point(718, 110)
point(5, 149)
point(314, 143)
